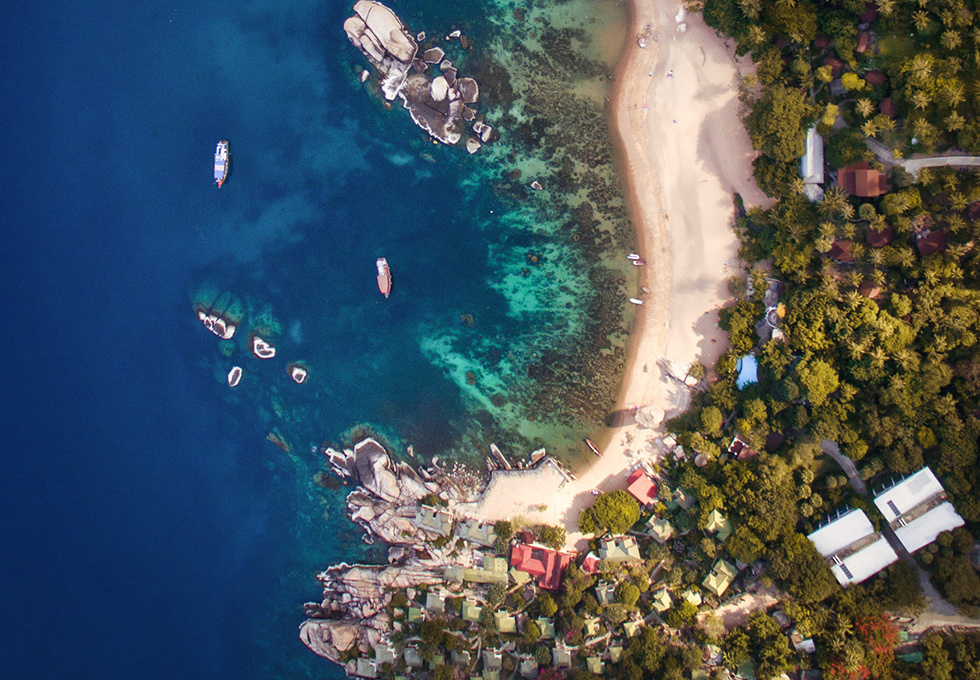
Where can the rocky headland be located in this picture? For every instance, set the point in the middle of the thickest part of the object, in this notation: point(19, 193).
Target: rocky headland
point(438, 104)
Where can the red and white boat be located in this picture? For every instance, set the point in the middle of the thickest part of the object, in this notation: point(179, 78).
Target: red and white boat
point(593, 448)
point(221, 163)
point(384, 277)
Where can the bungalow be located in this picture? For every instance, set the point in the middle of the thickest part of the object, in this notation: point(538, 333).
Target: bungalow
point(595, 665)
point(862, 180)
point(720, 577)
point(662, 601)
point(852, 548)
point(367, 668)
point(435, 601)
point(460, 657)
point(542, 563)
point(879, 238)
point(693, 597)
point(615, 653)
point(561, 656)
point(641, 487)
point(493, 659)
point(605, 592)
point(590, 564)
point(471, 610)
point(840, 251)
point(591, 627)
point(740, 449)
point(436, 520)
point(660, 529)
point(684, 499)
point(811, 165)
point(631, 628)
point(931, 242)
point(505, 622)
point(917, 509)
point(547, 628)
point(414, 615)
point(481, 533)
point(718, 524)
point(494, 571)
point(383, 654)
point(412, 658)
point(619, 549)
point(529, 667)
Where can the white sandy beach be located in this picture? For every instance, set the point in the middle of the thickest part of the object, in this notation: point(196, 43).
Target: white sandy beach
point(684, 154)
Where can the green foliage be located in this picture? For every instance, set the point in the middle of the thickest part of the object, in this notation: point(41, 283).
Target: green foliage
point(681, 615)
point(845, 147)
point(711, 420)
point(796, 562)
point(818, 379)
point(531, 632)
point(614, 512)
point(553, 537)
point(852, 82)
point(739, 321)
point(547, 605)
point(744, 545)
point(504, 529)
point(777, 123)
point(627, 594)
point(735, 648)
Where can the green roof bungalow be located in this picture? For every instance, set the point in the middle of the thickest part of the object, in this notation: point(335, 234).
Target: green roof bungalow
point(414, 614)
point(631, 628)
point(475, 532)
point(721, 576)
point(660, 529)
point(662, 601)
point(461, 657)
point(520, 577)
point(437, 661)
point(692, 597)
point(591, 627)
point(471, 610)
point(382, 654)
point(747, 670)
point(491, 675)
point(506, 623)
point(485, 576)
point(529, 667)
point(718, 524)
point(595, 665)
point(616, 653)
point(547, 628)
point(436, 520)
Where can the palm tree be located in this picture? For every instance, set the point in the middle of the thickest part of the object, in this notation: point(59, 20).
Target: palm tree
point(852, 298)
point(954, 121)
point(879, 277)
point(750, 8)
point(885, 7)
point(864, 107)
point(884, 122)
point(833, 201)
point(855, 349)
point(798, 186)
point(958, 201)
point(921, 67)
point(905, 257)
point(975, 35)
point(921, 99)
point(954, 93)
point(756, 36)
point(869, 129)
point(876, 257)
point(922, 21)
point(951, 39)
point(878, 356)
point(847, 211)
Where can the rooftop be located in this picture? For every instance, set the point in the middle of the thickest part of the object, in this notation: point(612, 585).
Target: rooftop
point(542, 562)
point(619, 549)
point(642, 487)
point(720, 577)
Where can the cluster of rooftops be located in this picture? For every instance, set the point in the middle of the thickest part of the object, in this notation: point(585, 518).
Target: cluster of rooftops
point(916, 512)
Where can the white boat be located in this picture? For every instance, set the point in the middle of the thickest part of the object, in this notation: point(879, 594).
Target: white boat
point(636, 301)
point(221, 163)
point(632, 256)
point(384, 277)
point(639, 263)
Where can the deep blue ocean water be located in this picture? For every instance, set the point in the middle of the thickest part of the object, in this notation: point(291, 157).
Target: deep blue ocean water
point(147, 527)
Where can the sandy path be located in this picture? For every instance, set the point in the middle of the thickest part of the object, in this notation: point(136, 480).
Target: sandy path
point(682, 176)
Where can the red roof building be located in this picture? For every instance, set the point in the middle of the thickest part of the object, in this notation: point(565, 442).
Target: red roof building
point(887, 107)
point(862, 180)
point(590, 564)
point(641, 487)
point(933, 242)
point(543, 563)
point(840, 251)
point(880, 239)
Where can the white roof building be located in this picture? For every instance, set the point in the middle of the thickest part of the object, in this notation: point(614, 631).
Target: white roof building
point(917, 509)
point(854, 551)
point(811, 165)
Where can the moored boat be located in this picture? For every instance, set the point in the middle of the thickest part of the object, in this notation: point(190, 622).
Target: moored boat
point(639, 263)
point(632, 256)
point(384, 277)
point(221, 163)
point(636, 301)
point(593, 448)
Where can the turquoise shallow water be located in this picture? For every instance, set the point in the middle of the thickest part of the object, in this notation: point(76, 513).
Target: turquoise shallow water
point(189, 538)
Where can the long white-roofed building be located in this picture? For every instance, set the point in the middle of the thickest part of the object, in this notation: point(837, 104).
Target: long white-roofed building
point(852, 548)
point(917, 509)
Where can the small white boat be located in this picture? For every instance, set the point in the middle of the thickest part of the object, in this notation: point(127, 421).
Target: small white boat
point(636, 301)
point(632, 256)
point(639, 263)
point(384, 277)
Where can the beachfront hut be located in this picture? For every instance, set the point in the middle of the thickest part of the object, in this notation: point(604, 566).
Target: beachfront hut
point(719, 525)
point(591, 626)
point(590, 564)
point(490, 675)
point(435, 601)
point(529, 667)
point(631, 628)
point(692, 597)
point(481, 533)
point(720, 577)
point(547, 628)
point(493, 659)
point(383, 654)
point(641, 487)
point(561, 656)
point(471, 610)
point(436, 520)
point(615, 653)
point(460, 657)
point(412, 658)
point(367, 668)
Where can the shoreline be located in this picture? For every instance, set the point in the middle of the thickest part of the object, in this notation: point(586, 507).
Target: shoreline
point(682, 153)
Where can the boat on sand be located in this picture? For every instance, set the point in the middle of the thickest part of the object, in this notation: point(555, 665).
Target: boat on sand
point(384, 277)
point(593, 448)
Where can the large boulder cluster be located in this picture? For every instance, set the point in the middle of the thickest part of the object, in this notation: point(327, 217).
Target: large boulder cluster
point(439, 105)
